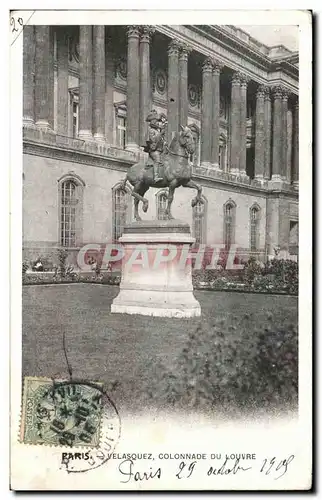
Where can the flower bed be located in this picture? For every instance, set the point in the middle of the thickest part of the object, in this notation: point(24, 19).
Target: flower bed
point(276, 276)
point(50, 278)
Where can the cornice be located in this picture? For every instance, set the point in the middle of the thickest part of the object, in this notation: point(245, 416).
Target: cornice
point(244, 49)
point(81, 157)
point(235, 44)
point(286, 67)
point(224, 181)
point(259, 64)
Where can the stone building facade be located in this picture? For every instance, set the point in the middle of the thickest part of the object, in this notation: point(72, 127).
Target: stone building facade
point(86, 93)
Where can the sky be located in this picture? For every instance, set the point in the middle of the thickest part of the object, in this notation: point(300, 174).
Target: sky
point(275, 35)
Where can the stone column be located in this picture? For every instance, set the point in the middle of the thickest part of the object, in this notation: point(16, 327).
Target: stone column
point(289, 146)
point(206, 113)
point(85, 82)
point(109, 89)
point(51, 81)
point(217, 66)
point(28, 75)
point(243, 124)
point(296, 144)
point(99, 83)
point(62, 82)
point(44, 76)
point(260, 134)
point(235, 124)
point(284, 134)
point(183, 85)
point(268, 124)
point(173, 88)
point(145, 80)
point(277, 134)
point(133, 89)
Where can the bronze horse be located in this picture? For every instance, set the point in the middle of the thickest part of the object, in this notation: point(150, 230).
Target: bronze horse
point(177, 172)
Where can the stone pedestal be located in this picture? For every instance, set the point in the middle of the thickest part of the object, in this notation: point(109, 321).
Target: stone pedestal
point(156, 271)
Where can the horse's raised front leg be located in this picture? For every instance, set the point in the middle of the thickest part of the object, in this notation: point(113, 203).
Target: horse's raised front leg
point(194, 185)
point(172, 186)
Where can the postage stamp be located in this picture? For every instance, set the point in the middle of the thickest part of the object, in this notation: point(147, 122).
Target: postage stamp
point(61, 413)
point(157, 229)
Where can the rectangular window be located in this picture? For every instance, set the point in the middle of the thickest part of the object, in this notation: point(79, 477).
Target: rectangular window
point(121, 131)
point(73, 125)
point(75, 118)
point(120, 124)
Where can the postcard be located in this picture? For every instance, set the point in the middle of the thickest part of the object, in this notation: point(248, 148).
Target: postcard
point(161, 184)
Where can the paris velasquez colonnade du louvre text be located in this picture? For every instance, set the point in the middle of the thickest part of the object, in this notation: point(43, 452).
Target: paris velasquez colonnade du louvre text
point(87, 91)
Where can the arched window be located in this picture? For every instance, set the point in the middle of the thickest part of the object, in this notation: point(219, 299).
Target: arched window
point(162, 202)
point(229, 223)
point(71, 210)
point(254, 228)
point(199, 220)
point(121, 210)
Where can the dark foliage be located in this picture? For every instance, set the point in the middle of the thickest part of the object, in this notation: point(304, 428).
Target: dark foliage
point(219, 370)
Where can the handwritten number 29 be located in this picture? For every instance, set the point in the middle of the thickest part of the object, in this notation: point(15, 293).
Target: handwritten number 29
point(13, 22)
point(185, 471)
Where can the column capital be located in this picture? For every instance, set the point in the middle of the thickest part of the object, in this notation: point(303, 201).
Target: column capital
point(261, 92)
point(217, 66)
point(146, 33)
point(207, 65)
point(285, 94)
point(267, 91)
point(277, 91)
point(236, 78)
point(133, 31)
point(185, 50)
point(173, 47)
point(244, 80)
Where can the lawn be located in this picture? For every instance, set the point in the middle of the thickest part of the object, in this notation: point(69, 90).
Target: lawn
point(154, 362)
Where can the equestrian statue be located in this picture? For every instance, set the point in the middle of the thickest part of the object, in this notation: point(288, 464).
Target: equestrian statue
point(167, 166)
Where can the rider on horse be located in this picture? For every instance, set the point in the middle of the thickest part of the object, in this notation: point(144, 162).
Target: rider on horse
point(156, 141)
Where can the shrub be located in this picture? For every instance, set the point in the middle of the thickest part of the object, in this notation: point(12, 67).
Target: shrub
point(252, 269)
point(62, 261)
point(109, 279)
point(285, 274)
point(25, 267)
point(276, 276)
